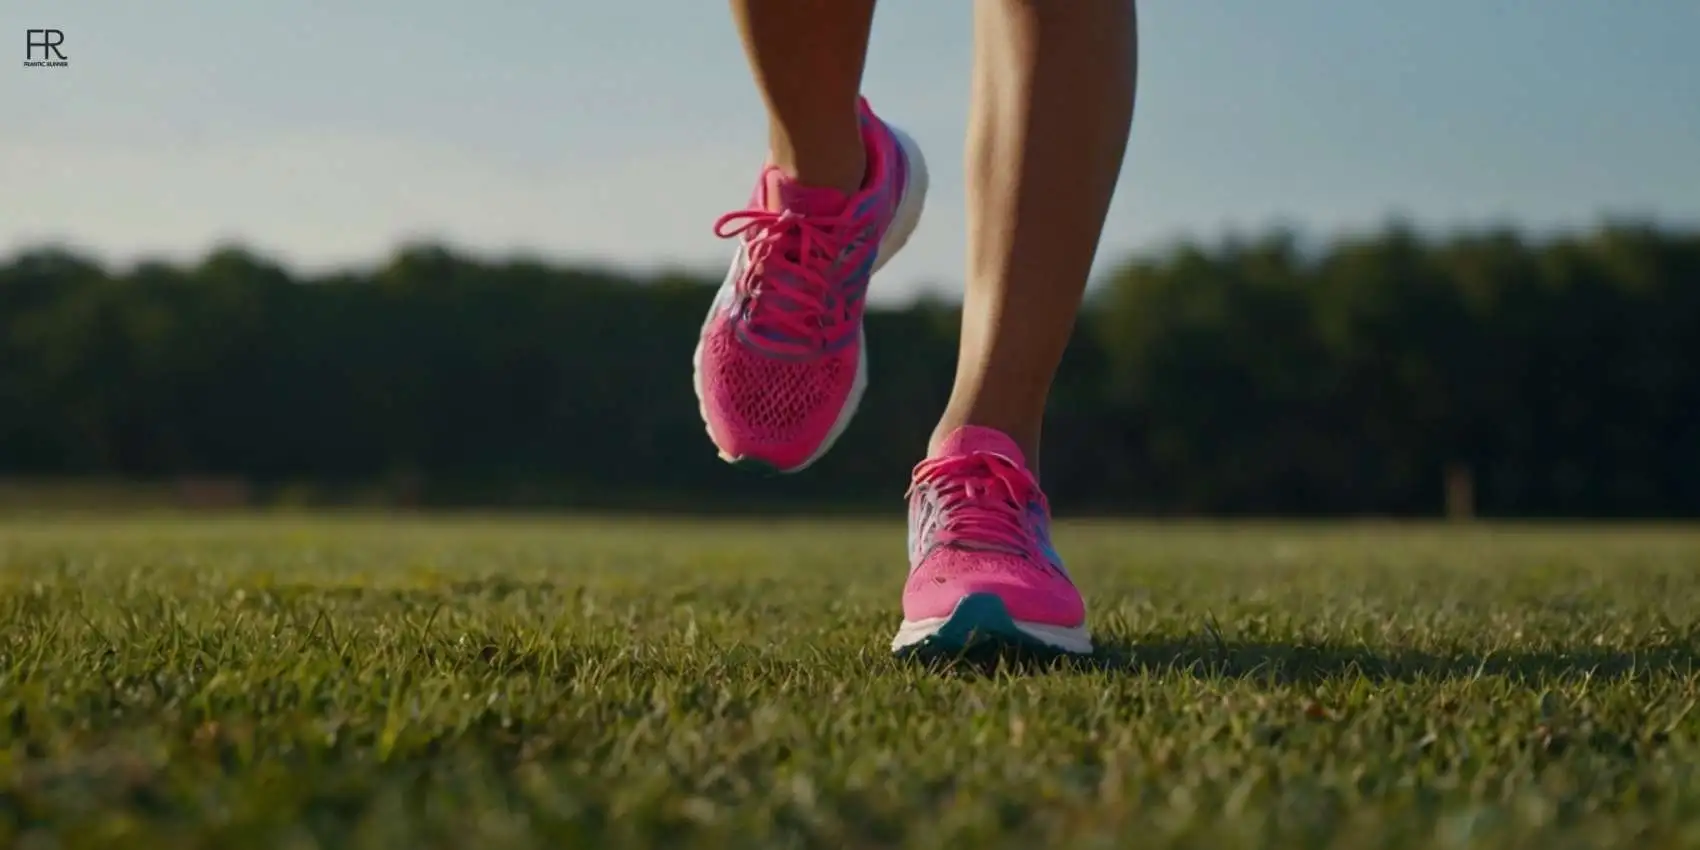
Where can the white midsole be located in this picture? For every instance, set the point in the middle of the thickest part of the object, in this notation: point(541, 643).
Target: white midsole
point(1073, 639)
point(903, 224)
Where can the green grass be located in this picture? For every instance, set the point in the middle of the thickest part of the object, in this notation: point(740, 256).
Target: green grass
point(301, 683)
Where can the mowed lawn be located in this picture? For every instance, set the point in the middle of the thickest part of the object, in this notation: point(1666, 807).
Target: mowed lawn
point(300, 683)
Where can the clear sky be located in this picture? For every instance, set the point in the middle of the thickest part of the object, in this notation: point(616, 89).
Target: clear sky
point(323, 133)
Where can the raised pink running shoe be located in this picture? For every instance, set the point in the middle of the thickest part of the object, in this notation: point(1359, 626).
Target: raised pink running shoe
point(981, 565)
point(781, 365)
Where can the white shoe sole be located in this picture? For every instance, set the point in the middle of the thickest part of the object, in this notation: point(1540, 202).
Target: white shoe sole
point(982, 618)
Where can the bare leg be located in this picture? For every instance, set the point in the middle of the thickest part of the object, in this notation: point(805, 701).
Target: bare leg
point(780, 368)
point(1052, 107)
point(807, 56)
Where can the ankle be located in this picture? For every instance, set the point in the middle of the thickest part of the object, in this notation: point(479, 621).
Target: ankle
point(831, 161)
point(842, 176)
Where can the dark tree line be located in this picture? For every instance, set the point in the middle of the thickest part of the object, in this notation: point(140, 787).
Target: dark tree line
point(1241, 378)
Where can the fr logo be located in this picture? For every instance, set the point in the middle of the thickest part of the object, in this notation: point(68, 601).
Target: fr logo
point(41, 49)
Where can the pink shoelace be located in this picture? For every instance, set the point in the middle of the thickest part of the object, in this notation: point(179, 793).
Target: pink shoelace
point(789, 301)
point(983, 499)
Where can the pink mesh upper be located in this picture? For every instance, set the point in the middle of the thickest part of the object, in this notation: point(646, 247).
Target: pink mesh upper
point(779, 358)
point(979, 524)
point(769, 407)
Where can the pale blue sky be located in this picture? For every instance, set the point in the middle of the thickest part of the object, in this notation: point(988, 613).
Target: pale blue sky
point(323, 133)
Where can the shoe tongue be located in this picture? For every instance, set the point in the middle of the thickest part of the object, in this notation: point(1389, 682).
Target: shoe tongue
point(975, 438)
point(783, 193)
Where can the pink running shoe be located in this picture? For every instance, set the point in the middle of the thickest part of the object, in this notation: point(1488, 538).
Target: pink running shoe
point(781, 366)
point(981, 566)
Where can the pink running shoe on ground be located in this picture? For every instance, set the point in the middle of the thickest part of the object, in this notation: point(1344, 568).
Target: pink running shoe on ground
point(781, 365)
point(981, 565)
